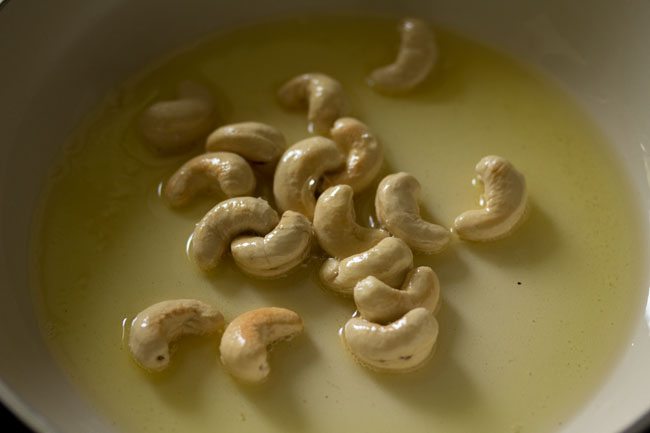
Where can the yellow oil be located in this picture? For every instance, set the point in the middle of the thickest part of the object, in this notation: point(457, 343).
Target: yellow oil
point(529, 326)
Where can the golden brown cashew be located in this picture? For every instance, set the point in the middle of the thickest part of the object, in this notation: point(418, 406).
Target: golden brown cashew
point(225, 221)
point(173, 126)
point(364, 155)
point(398, 212)
point(505, 201)
point(399, 347)
point(226, 172)
point(323, 96)
point(155, 328)
point(257, 142)
point(299, 170)
point(335, 224)
point(417, 55)
point(389, 261)
point(379, 303)
point(245, 341)
point(275, 254)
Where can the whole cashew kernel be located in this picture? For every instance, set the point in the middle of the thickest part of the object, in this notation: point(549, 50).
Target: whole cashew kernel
point(416, 57)
point(173, 126)
point(244, 344)
point(388, 261)
point(322, 94)
point(256, 142)
point(505, 199)
point(364, 155)
point(398, 212)
point(379, 303)
point(402, 346)
point(273, 255)
point(335, 224)
point(211, 172)
point(155, 328)
point(299, 170)
point(225, 221)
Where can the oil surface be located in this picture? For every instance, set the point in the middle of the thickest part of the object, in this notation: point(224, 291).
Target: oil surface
point(529, 324)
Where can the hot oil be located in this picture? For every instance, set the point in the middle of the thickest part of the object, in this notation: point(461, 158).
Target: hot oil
point(529, 326)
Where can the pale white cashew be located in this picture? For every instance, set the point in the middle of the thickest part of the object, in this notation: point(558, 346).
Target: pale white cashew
point(365, 155)
point(398, 212)
point(335, 224)
point(257, 142)
point(155, 328)
point(416, 57)
point(389, 261)
point(299, 171)
point(504, 202)
point(173, 126)
point(223, 172)
point(322, 94)
point(275, 254)
point(230, 218)
point(380, 303)
point(244, 344)
point(402, 346)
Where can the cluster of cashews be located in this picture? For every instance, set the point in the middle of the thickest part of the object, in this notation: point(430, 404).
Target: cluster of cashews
point(282, 244)
point(366, 262)
point(352, 156)
point(226, 169)
point(226, 166)
point(171, 126)
point(315, 180)
point(244, 343)
point(396, 330)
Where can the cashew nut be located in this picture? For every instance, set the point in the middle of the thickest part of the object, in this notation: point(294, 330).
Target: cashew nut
point(321, 93)
point(417, 55)
point(299, 170)
point(378, 302)
point(335, 224)
point(504, 202)
point(278, 252)
point(388, 261)
point(401, 346)
point(208, 173)
point(398, 212)
point(172, 126)
point(257, 142)
point(158, 326)
point(225, 221)
point(244, 344)
point(364, 155)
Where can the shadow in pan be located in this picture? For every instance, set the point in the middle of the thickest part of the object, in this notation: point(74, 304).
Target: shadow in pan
point(515, 250)
point(448, 265)
point(11, 423)
point(181, 386)
point(278, 396)
point(447, 387)
point(642, 425)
